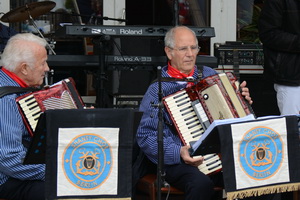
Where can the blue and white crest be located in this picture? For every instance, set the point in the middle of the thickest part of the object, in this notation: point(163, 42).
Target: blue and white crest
point(261, 153)
point(87, 161)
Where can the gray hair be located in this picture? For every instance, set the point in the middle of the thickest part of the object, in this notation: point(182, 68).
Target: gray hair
point(169, 37)
point(16, 52)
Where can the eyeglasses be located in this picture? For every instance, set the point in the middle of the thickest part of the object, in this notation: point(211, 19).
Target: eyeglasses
point(184, 50)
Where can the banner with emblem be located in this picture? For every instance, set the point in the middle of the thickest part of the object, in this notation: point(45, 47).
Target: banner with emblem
point(89, 153)
point(260, 156)
point(87, 161)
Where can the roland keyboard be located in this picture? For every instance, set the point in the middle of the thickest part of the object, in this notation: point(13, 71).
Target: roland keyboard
point(118, 62)
point(123, 31)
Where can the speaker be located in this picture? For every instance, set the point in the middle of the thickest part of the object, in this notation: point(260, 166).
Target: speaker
point(262, 93)
point(126, 82)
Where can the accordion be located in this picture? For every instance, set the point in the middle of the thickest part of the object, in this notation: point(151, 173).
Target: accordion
point(194, 108)
point(61, 95)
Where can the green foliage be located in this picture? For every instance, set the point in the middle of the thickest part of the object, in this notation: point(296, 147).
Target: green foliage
point(249, 32)
point(69, 4)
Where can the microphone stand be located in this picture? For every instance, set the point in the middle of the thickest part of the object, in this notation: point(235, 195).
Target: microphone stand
point(160, 137)
point(96, 17)
point(176, 12)
point(39, 32)
point(100, 78)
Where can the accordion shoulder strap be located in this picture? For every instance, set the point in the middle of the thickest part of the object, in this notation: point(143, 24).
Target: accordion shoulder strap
point(188, 79)
point(200, 72)
point(5, 90)
point(171, 79)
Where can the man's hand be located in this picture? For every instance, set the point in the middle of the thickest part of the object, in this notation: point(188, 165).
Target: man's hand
point(194, 161)
point(245, 92)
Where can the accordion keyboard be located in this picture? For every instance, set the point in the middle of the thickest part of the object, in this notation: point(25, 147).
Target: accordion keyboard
point(31, 110)
point(191, 122)
point(210, 164)
point(185, 116)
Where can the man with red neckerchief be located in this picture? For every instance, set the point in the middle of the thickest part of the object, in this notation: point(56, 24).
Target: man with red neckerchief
point(24, 65)
point(181, 47)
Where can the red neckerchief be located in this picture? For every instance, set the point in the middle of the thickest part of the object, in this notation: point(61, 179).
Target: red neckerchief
point(14, 77)
point(175, 73)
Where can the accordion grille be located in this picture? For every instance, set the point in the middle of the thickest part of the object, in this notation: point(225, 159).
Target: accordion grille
point(64, 102)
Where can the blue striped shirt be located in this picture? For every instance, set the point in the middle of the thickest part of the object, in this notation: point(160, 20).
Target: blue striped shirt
point(147, 130)
point(12, 133)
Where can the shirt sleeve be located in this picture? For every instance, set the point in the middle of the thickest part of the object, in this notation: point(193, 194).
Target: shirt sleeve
point(12, 151)
point(147, 133)
point(207, 71)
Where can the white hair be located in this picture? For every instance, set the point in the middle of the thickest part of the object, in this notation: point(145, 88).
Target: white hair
point(18, 50)
point(170, 36)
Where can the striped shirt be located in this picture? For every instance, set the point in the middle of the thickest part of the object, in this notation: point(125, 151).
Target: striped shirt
point(12, 133)
point(147, 130)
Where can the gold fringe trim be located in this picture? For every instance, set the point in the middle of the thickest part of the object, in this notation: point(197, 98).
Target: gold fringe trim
point(240, 194)
point(100, 199)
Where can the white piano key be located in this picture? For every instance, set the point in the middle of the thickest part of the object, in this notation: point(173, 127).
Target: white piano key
point(211, 168)
point(177, 102)
point(177, 95)
point(212, 156)
point(185, 116)
point(26, 99)
point(193, 134)
point(197, 134)
point(190, 123)
point(188, 138)
point(25, 108)
point(33, 121)
point(181, 111)
point(210, 164)
point(182, 99)
point(207, 171)
point(185, 129)
point(193, 124)
point(28, 106)
point(31, 112)
point(177, 98)
point(179, 106)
